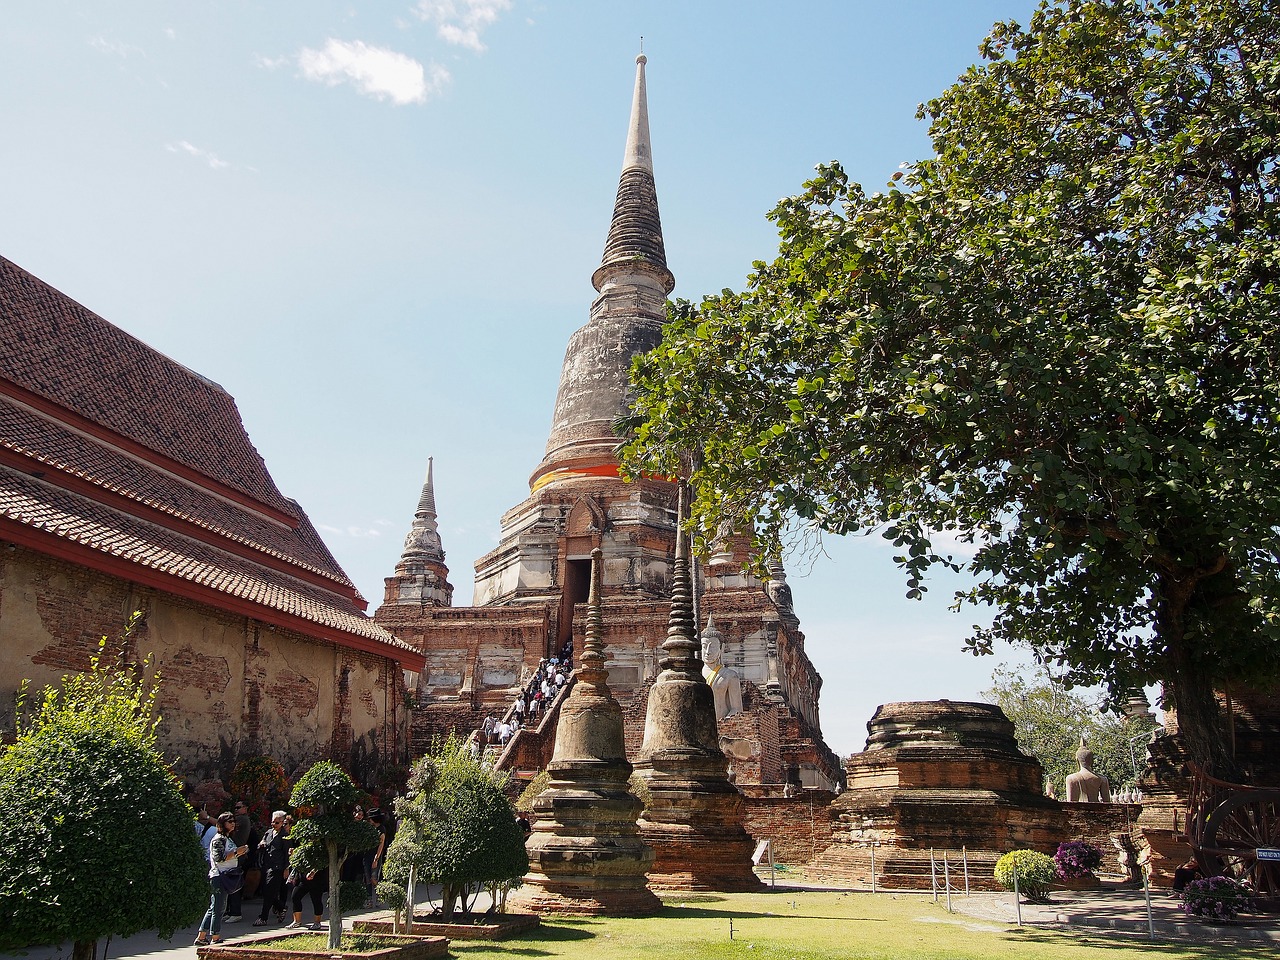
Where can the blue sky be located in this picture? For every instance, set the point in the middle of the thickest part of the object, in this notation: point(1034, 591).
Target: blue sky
point(375, 225)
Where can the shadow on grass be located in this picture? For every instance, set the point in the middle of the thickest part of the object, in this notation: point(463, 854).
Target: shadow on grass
point(556, 931)
point(1139, 942)
point(676, 912)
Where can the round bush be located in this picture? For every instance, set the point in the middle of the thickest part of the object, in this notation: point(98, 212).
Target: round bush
point(1034, 872)
point(1076, 859)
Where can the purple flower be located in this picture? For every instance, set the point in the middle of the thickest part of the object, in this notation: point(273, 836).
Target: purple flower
point(1077, 858)
point(1216, 898)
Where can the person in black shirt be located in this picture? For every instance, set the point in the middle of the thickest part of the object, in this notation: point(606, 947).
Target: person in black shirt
point(273, 861)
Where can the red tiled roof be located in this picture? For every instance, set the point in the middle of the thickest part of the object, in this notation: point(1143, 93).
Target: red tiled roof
point(58, 350)
point(115, 456)
point(29, 435)
point(39, 507)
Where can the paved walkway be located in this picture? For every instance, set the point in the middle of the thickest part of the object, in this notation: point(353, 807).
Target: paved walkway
point(1119, 909)
point(182, 947)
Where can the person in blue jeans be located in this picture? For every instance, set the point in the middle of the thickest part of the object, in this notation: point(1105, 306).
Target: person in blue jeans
point(224, 855)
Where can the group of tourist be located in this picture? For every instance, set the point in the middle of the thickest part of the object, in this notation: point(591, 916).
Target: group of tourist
point(235, 849)
point(531, 702)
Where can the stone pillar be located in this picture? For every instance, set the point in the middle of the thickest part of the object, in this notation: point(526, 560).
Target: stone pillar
point(694, 818)
point(585, 854)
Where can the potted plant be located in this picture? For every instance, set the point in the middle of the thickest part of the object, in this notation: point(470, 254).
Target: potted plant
point(1216, 899)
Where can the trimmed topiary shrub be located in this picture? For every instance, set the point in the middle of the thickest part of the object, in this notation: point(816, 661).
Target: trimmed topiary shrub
point(82, 790)
point(330, 832)
point(1034, 872)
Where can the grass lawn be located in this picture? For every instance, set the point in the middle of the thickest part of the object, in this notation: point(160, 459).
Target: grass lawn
point(811, 925)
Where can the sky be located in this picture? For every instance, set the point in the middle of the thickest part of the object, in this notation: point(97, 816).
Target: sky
point(375, 225)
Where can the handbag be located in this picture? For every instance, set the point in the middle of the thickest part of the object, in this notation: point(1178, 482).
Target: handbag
point(231, 880)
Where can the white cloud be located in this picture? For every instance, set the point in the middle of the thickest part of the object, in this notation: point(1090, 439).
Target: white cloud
point(212, 159)
point(115, 47)
point(274, 63)
point(350, 531)
point(460, 22)
point(171, 33)
point(378, 72)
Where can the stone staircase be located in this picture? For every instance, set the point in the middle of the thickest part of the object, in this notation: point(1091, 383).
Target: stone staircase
point(905, 869)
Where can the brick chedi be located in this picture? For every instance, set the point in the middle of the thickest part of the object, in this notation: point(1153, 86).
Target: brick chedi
point(531, 589)
point(694, 816)
point(585, 853)
point(421, 576)
point(937, 777)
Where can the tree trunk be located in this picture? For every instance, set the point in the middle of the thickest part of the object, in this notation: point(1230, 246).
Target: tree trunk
point(84, 950)
point(408, 913)
point(1191, 683)
point(335, 911)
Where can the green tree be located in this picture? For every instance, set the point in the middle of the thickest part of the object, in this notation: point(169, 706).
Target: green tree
point(326, 837)
point(95, 838)
point(1057, 338)
point(457, 829)
point(1049, 721)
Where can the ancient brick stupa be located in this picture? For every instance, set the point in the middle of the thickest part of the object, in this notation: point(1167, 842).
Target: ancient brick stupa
point(942, 777)
point(585, 854)
point(531, 589)
point(694, 817)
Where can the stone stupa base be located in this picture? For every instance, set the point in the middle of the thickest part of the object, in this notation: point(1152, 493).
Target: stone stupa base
point(696, 831)
point(597, 867)
point(689, 860)
point(586, 897)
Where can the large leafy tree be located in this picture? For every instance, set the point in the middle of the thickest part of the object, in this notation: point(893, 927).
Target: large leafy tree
point(1057, 337)
point(95, 838)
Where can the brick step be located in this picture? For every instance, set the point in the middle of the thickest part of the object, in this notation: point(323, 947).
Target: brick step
point(904, 869)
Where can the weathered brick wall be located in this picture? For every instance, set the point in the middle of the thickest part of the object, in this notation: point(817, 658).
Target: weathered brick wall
point(755, 733)
point(798, 828)
point(1097, 822)
point(231, 686)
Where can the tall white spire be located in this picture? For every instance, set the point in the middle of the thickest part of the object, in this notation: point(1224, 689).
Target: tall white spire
point(639, 151)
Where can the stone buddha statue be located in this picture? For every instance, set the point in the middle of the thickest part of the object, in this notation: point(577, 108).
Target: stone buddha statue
point(1085, 786)
point(726, 686)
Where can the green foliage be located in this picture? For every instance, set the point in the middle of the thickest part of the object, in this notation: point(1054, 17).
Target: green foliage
point(393, 895)
point(1035, 871)
point(352, 895)
point(540, 781)
point(1057, 339)
point(1049, 721)
point(639, 788)
point(457, 827)
point(325, 838)
point(83, 792)
point(326, 786)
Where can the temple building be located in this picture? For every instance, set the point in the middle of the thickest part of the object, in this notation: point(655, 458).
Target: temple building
point(128, 483)
point(531, 590)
